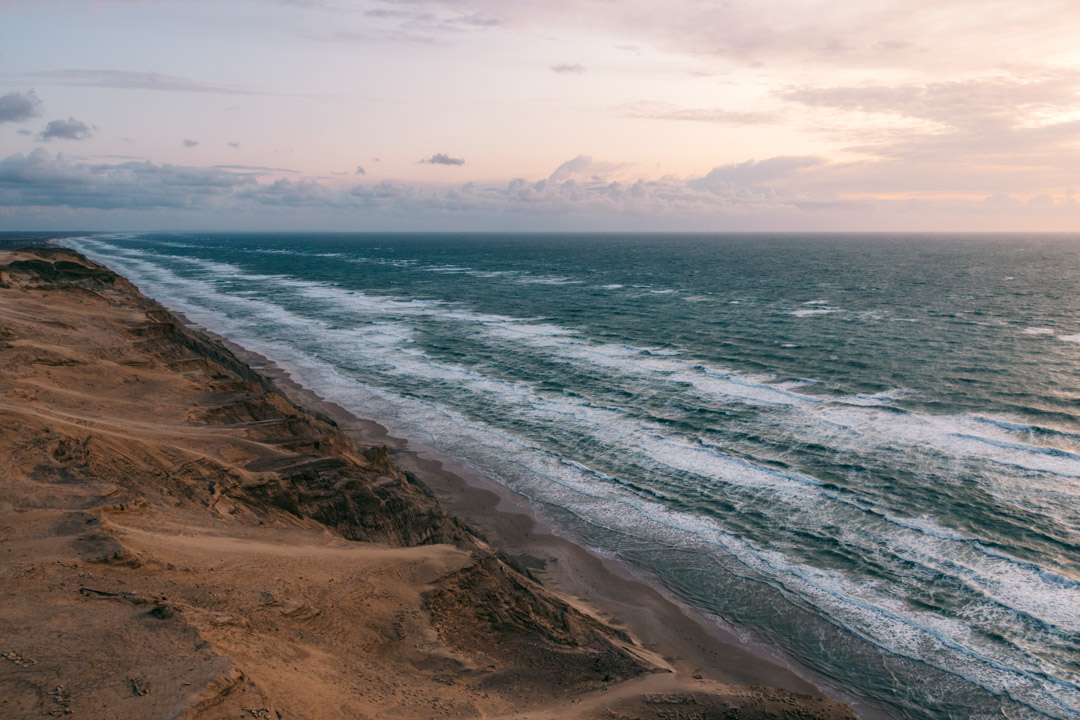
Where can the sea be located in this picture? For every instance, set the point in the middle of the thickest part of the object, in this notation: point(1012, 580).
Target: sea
point(860, 449)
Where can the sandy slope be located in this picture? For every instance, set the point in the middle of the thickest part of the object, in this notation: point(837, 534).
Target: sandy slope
point(178, 539)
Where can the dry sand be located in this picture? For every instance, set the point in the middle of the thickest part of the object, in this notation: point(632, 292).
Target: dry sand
point(179, 539)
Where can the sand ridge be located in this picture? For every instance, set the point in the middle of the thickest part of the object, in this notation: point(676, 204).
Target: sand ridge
point(178, 539)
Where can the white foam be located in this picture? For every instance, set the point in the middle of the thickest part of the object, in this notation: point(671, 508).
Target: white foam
point(872, 612)
point(623, 358)
point(713, 382)
point(170, 243)
point(447, 269)
point(807, 312)
point(1038, 331)
point(381, 342)
point(209, 265)
point(1070, 338)
point(879, 399)
point(547, 280)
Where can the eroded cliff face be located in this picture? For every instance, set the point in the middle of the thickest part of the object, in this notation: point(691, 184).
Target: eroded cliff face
point(299, 463)
point(115, 408)
point(183, 540)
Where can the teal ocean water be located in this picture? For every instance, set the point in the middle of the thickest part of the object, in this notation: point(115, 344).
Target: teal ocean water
point(862, 449)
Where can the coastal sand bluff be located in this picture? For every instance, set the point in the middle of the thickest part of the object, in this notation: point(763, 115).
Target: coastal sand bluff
point(180, 539)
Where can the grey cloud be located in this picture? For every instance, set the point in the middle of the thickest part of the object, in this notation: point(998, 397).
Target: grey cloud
point(129, 80)
point(188, 143)
point(42, 179)
point(70, 129)
point(442, 159)
point(566, 68)
point(233, 145)
point(291, 193)
point(360, 170)
point(754, 172)
point(18, 106)
point(23, 131)
point(719, 116)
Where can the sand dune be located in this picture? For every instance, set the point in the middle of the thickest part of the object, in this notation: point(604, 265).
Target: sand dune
point(179, 539)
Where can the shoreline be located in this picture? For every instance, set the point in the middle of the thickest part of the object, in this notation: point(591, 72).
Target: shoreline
point(192, 533)
point(695, 644)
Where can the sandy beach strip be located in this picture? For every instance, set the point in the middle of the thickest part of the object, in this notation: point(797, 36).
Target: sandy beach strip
point(688, 639)
point(183, 536)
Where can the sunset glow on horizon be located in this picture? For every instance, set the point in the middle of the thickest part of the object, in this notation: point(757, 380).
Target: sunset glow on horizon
point(545, 115)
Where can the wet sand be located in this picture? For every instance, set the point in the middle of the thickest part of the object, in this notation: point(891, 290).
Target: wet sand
point(688, 639)
point(182, 536)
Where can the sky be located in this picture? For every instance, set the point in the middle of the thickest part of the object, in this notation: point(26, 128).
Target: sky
point(540, 115)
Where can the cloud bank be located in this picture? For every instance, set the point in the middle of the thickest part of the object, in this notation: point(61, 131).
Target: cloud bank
point(770, 194)
point(47, 180)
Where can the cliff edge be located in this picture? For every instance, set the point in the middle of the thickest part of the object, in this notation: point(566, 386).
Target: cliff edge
point(178, 539)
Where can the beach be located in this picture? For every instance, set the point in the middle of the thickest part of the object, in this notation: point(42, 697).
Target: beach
point(455, 358)
point(186, 536)
point(683, 636)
